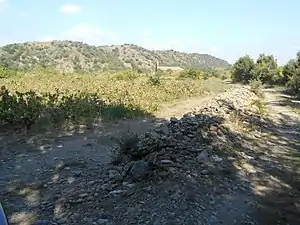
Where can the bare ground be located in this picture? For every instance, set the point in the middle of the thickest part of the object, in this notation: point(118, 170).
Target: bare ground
point(65, 179)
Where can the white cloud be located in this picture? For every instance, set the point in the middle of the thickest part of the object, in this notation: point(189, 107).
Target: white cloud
point(147, 42)
point(86, 33)
point(178, 45)
point(3, 4)
point(69, 8)
point(95, 35)
point(90, 34)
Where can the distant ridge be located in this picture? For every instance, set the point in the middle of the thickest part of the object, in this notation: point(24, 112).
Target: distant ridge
point(70, 56)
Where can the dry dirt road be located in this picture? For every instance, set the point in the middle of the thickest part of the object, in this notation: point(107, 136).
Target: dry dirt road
point(65, 180)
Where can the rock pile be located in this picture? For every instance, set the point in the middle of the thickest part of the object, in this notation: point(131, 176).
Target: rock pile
point(181, 144)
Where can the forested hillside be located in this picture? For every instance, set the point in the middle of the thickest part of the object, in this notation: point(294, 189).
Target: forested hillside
point(68, 56)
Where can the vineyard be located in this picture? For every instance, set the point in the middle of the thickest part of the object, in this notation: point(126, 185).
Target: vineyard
point(48, 97)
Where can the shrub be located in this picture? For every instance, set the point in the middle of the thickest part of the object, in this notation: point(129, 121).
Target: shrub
point(205, 76)
point(127, 75)
point(190, 74)
point(28, 108)
point(261, 107)
point(5, 73)
point(256, 87)
point(60, 99)
point(293, 84)
point(19, 108)
point(243, 70)
point(154, 80)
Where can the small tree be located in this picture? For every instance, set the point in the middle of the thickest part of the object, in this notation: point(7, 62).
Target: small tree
point(291, 73)
point(243, 69)
point(289, 70)
point(266, 69)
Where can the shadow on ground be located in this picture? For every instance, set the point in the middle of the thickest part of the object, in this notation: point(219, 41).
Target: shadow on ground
point(40, 174)
point(286, 99)
point(273, 165)
point(40, 162)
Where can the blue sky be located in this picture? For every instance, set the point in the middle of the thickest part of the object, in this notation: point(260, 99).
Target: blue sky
point(226, 29)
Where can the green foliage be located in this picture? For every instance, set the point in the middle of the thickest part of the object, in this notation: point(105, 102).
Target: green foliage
point(290, 69)
point(266, 69)
point(243, 70)
point(294, 83)
point(282, 77)
point(256, 87)
point(20, 108)
point(190, 74)
point(35, 98)
point(25, 109)
point(205, 76)
point(127, 75)
point(218, 73)
point(291, 74)
point(68, 56)
point(5, 73)
point(261, 107)
point(154, 80)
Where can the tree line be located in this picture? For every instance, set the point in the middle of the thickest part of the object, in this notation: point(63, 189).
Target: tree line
point(266, 70)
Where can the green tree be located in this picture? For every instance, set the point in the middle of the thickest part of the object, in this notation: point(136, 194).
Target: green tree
point(266, 69)
point(291, 73)
point(243, 69)
point(294, 83)
point(289, 69)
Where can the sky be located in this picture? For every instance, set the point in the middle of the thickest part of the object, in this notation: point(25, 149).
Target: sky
point(226, 29)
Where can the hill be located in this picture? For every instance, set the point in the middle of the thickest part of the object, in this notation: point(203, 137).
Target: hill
point(69, 56)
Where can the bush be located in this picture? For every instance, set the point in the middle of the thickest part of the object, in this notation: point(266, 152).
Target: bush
point(256, 87)
point(61, 99)
point(5, 73)
point(260, 106)
point(20, 108)
point(127, 75)
point(190, 74)
point(205, 76)
point(243, 70)
point(291, 74)
point(154, 80)
point(293, 84)
point(28, 108)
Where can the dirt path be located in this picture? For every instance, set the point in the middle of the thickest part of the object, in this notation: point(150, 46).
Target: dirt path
point(273, 169)
point(66, 180)
point(180, 108)
point(31, 161)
